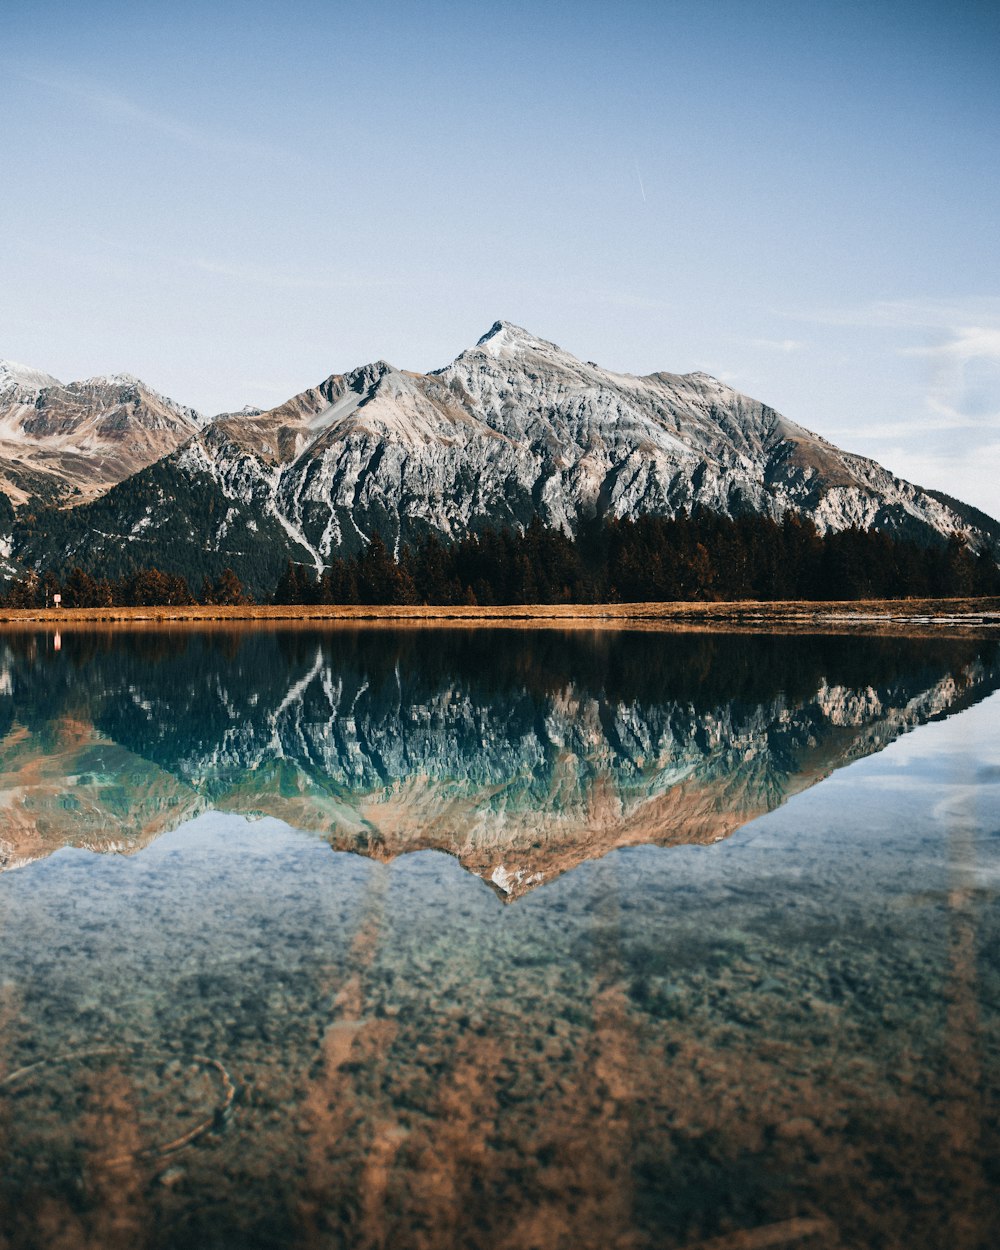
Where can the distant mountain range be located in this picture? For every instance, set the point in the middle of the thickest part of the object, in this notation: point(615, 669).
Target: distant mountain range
point(67, 443)
point(112, 474)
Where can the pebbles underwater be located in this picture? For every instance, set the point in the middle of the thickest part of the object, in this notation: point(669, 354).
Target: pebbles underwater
point(780, 1026)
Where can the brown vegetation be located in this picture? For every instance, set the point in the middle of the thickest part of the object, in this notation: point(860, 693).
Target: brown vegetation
point(748, 613)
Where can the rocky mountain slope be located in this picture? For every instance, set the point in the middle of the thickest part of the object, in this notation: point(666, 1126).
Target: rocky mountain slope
point(70, 442)
point(513, 428)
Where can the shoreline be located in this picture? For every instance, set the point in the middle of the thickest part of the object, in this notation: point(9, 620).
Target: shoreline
point(942, 614)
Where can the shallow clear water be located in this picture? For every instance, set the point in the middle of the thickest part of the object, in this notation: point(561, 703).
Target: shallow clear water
point(651, 940)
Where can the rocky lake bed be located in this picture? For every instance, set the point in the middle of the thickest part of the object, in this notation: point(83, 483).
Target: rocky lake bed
point(540, 937)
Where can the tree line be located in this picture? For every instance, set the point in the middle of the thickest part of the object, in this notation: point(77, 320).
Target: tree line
point(141, 589)
point(706, 556)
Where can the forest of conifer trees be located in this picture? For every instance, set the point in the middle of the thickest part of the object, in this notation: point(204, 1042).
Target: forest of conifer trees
point(708, 557)
point(704, 557)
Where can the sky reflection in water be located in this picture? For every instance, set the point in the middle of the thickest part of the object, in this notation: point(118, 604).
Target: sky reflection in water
point(235, 1037)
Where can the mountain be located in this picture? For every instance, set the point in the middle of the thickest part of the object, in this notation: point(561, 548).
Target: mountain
point(513, 428)
point(523, 754)
point(68, 442)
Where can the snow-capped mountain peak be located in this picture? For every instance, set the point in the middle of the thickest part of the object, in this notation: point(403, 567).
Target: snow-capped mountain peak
point(515, 428)
point(73, 440)
point(23, 378)
point(504, 339)
point(112, 379)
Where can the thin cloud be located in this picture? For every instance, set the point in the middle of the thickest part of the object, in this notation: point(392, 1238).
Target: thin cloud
point(927, 314)
point(779, 345)
point(960, 349)
point(968, 470)
point(966, 343)
point(627, 299)
point(937, 418)
point(264, 275)
point(641, 187)
point(963, 387)
point(120, 109)
point(276, 277)
point(952, 416)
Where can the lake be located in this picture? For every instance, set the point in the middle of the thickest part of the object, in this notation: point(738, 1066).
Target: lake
point(506, 938)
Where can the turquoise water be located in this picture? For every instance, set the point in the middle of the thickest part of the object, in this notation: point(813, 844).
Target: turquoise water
point(642, 940)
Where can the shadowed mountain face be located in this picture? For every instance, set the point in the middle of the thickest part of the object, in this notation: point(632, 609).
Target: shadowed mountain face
point(523, 753)
point(514, 429)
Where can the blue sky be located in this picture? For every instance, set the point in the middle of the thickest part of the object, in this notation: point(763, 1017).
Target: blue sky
point(235, 200)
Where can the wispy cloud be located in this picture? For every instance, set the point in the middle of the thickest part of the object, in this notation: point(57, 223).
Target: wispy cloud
point(931, 422)
point(959, 345)
point(779, 345)
point(641, 186)
point(279, 277)
point(120, 109)
point(968, 467)
point(963, 385)
point(267, 275)
point(625, 299)
point(918, 314)
point(964, 343)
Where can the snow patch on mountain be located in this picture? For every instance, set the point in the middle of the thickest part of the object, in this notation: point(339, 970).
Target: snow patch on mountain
point(23, 378)
point(517, 427)
point(513, 428)
point(72, 441)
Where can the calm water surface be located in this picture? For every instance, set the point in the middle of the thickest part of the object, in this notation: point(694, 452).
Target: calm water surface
point(499, 939)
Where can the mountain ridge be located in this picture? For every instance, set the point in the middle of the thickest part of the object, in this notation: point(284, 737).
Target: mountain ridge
point(65, 442)
point(514, 428)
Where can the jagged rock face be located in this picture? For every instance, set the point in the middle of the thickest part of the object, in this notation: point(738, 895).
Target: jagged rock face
point(516, 428)
point(70, 442)
point(392, 744)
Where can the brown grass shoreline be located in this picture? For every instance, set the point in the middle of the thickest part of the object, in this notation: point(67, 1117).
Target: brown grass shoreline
point(790, 614)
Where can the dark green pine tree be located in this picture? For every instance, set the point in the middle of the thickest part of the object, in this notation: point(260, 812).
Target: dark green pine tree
point(289, 587)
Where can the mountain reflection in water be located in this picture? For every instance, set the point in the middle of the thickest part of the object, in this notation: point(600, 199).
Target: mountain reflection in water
point(522, 753)
point(235, 1039)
